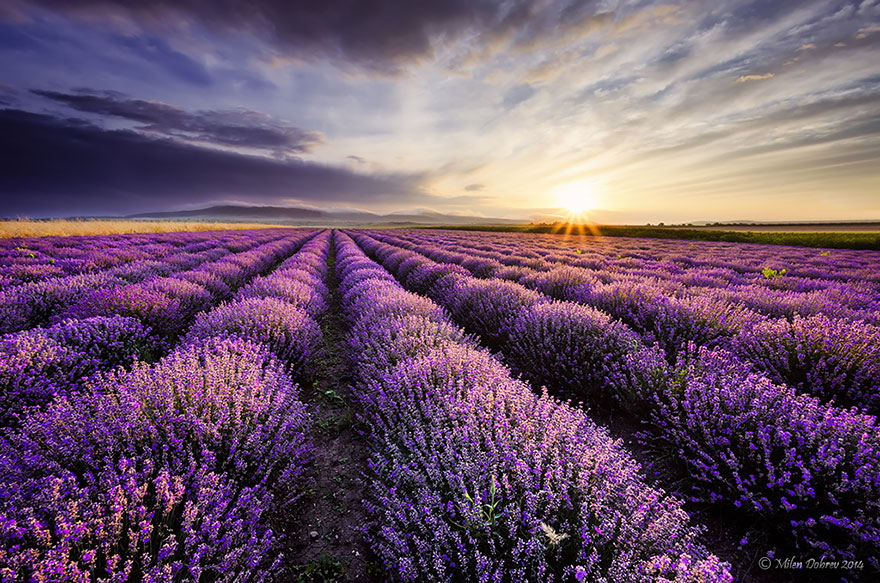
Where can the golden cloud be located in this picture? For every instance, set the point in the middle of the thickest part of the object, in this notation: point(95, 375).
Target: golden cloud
point(746, 78)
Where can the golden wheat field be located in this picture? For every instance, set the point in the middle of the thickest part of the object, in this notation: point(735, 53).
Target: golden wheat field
point(67, 227)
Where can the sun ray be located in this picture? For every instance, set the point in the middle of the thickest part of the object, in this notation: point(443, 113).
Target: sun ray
point(578, 199)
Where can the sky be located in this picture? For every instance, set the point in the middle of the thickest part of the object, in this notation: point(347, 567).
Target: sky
point(635, 111)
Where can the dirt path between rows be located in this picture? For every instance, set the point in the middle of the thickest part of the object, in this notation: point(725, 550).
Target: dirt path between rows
point(325, 542)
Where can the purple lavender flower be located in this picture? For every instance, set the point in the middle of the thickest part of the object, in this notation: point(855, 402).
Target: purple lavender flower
point(582, 352)
point(288, 331)
point(37, 364)
point(786, 458)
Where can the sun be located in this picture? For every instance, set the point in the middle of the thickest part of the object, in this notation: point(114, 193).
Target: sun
point(577, 197)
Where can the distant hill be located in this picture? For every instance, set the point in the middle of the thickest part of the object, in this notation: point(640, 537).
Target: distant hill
point(746, 223)
point(306, 217)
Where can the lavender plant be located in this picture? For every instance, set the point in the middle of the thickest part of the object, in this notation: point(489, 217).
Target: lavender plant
point(833, 359)
point(582, 352)
point(168, 472)
point(786, 460)
point(35, 365)
point(287, 330)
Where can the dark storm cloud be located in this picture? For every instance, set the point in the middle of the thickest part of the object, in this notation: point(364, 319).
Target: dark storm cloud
point(69, 166)
point(381, 35)
point(241, 128)
point(375, 34)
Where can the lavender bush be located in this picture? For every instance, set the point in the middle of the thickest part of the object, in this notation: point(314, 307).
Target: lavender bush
point(832, 359)
point(166, 472)
point(157, 309)
point(288, 331)
point(34, 303)
point(485, 306)
point(788, 461)
point(37, 364)
point(134, 520)
point(581, 352)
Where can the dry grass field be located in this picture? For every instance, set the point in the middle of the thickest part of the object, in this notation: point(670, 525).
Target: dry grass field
point(65, 227)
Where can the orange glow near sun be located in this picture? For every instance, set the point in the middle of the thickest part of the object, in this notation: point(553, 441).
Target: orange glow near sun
point(577, 199)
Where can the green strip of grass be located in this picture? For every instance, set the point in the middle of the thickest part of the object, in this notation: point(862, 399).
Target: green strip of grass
point(821, 240)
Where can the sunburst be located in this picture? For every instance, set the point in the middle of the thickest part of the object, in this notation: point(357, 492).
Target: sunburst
point(577, 199)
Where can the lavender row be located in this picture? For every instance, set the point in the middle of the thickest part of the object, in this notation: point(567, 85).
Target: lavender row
point(37, 364)
point(118, 326)
point(173, 472)
point(775, 291)
point(278, 310)
point(834, 359)
point(794, 466)
point(474, 478)
point(719, 262)
point(167, 304)
point(35, 259)
point(36, 303)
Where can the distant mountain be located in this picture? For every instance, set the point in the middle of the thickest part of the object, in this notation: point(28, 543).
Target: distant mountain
point(307, 217)
point(233, 212)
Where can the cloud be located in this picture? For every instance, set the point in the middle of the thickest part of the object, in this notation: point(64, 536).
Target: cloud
point(380, 36)
point(517, 94)
point(156, 50)
point(239, 128)
point(70, 166)
point(475, 187)
point(747, 78)
point(867, 31)
point(642, 92)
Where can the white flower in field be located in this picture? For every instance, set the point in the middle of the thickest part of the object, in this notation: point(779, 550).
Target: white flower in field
point(554, 537)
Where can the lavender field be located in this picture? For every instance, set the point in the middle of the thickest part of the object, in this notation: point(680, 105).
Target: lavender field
point(526, 407)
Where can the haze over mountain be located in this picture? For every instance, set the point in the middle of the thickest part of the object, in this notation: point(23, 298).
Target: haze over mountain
point(307, 216)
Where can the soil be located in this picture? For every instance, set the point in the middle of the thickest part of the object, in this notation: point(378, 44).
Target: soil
point(325, 540)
